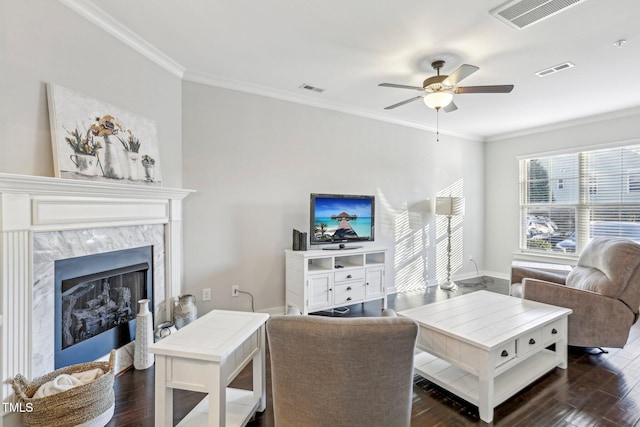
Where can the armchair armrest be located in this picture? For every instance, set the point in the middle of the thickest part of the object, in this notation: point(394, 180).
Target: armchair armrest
point(595, 318)
point(519, 274)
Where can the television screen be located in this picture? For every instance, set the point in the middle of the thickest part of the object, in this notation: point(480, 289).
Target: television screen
point(341, 218)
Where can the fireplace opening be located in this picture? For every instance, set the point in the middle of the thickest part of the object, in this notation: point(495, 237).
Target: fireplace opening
point(96, 298)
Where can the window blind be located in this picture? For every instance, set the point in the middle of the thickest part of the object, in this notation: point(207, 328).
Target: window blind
point(567, 199)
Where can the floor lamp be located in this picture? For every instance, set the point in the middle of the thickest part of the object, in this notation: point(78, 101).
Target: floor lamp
point(449, 206)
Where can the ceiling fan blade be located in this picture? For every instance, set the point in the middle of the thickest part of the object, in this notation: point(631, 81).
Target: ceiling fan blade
point(450, 108)
point(484, 89)
point(401, 86)
point(462, 72)
point(390, 107)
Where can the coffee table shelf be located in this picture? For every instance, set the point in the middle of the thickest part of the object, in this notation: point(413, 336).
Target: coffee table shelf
point(466, 385)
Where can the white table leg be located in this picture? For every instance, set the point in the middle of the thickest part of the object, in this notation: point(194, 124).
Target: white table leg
point(259, 372)
point(561, 345)
point(486, 389)
point(217, 398)
point(164, 395)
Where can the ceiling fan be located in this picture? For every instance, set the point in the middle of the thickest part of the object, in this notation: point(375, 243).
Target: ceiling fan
point(438, 90)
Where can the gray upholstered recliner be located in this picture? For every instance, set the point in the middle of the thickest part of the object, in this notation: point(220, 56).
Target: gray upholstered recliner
point(341, 371)
point(603, 290)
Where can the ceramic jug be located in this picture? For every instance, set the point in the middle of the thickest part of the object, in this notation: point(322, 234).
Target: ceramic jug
point(184, 310)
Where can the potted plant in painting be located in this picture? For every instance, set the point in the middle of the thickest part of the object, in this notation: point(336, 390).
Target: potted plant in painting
point(85, 150)
point(148, 164)
point(131, 147)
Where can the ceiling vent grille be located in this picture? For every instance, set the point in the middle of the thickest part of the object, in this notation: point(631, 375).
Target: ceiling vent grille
point(519, 14)
point(311, 88)
point(554, 69)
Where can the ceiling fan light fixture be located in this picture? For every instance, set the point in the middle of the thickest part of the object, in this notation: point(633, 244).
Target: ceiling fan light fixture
point(438, 100)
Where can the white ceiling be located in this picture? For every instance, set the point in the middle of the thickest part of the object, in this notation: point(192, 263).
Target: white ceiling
point(271, 47)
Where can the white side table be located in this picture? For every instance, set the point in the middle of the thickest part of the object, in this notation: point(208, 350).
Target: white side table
point(205, 356)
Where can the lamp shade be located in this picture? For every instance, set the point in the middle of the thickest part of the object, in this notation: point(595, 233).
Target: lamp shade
point(437, 100)
point(449, 205)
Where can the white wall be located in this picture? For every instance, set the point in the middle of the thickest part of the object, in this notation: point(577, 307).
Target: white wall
point(44, 41)
point(255, 160)
point(501, 175)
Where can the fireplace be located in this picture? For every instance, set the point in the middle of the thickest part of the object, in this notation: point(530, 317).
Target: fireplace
point(95, 302)
point(44, 220)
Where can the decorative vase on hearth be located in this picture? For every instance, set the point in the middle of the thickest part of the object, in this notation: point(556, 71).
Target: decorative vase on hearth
point(184, 310)
point(142, 358)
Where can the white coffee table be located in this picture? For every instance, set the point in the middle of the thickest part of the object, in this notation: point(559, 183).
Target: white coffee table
point(206, 356)
point(485, 347)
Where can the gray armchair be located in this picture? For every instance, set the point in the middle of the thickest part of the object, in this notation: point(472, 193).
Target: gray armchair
point(603, 290)
point(341, 371)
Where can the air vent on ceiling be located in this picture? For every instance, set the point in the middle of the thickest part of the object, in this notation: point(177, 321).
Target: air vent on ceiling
point(311, 88)
point(519, 14)
point(555, 69)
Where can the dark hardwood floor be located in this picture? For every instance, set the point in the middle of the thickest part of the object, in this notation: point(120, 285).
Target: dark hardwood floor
point(596, 389)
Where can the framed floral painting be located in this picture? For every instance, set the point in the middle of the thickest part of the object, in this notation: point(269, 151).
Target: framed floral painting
point(96, 141)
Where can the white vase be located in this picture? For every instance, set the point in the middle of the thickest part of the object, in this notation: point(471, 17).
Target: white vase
point(142, 359)
point(112, 168)
point(134, 161)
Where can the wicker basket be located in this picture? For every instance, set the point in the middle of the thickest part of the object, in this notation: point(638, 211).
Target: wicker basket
point(82, 405)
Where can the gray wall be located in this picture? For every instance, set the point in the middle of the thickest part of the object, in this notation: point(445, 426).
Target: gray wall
point(44, 41)
point(254, 162)
point(501, 175)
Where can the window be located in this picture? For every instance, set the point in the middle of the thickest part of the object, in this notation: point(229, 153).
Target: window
point(634, 182)
point(567, 199)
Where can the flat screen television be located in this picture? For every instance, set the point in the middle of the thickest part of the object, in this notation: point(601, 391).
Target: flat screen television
point(340, 218)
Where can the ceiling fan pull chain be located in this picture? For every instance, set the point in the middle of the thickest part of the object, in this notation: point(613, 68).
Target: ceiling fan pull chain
point(437, 125)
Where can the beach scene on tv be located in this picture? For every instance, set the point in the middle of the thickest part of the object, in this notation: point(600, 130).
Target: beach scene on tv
point(342, 219)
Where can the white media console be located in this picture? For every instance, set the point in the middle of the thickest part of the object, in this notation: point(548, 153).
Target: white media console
point(324, 279)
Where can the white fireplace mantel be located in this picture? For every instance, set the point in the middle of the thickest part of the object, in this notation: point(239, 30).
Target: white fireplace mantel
point(33, 204)
point(44, 204)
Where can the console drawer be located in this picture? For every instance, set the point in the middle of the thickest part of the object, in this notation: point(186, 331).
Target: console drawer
point(348, 294)
point(346, 275)
point(530, 342)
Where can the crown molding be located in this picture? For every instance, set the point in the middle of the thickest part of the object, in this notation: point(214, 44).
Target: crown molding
point(106, 22)
point(617, 114)
point(255, 89)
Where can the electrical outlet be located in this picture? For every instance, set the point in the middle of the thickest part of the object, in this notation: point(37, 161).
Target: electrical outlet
point(206, 294)
point(235, 290)
point(470, 258)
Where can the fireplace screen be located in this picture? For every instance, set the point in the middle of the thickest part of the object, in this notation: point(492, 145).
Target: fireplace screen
point(96, 303)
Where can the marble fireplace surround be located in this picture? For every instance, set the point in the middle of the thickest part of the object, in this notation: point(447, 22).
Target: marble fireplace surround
point(45, 219)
